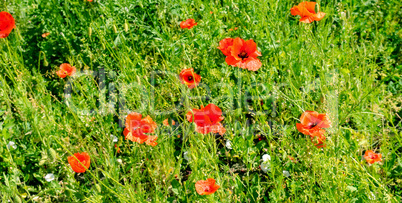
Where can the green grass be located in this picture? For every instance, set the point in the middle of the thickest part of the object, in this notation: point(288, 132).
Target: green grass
point(348, 65)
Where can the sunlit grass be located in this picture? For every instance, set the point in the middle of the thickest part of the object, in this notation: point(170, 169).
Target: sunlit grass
point(128, 55)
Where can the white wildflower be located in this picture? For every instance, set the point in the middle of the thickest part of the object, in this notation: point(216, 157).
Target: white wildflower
point(228, 144)
point(49, 177)
point(185, 156)
point(114, 138)
point(11, 144)
point(286, 173)
point(266, 157)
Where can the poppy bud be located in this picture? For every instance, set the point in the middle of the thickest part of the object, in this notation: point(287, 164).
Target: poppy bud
point(126, 26)
point(45, 63)
point(90, 31)
point(53, 153)
point(114, 28)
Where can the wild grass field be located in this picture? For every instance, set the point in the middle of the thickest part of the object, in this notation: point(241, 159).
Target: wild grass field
point(128, 55)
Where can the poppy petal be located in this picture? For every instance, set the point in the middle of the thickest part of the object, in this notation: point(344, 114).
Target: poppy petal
point(252, 64)
point(237, 46)
point(213, 112)
point(319, 16)
point(250, 47)
point(307, 19)
point(310, 6)
point(230, 60)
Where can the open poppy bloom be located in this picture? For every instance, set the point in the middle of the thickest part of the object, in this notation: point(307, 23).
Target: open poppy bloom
point(206, 187)
point(306, 10)
point(225, 46)
point(7, 24)
point(66, 69)
point(136, 127)
point(189, 23)
point(207, 119)
point(372, 157)
point(244, 54)
point(312, 124)
point(190, 78)
point(80, 165)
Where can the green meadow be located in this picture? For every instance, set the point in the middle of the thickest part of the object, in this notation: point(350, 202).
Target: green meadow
point(128, 55)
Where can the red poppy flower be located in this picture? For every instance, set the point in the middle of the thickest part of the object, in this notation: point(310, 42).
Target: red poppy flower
point(372, 157)
point(244, 55)
point(207, 119)
point(306, 10)
point(80, 165)
point(189, 23)
point(190, 78)
point(44, 35)
point(312, 123)
point(66, 69)
point(136, 126)
point(206, 187)
point(225, 46)
point(7, 24)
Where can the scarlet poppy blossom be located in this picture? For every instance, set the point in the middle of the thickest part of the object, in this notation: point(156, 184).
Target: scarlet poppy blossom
point(80, 165)
point(189, 23)
point(311, 123)
point(136, 127)
point(206, 187)
point(306, 10)
point(207, 119)
point(244, 55)
point(190, 78)
point(44, 35)
point(66, 70)
point(225, 46)
point(7, 24)
point(372, 157)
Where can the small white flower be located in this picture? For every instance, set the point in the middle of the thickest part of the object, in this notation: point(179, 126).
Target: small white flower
point(265, 167)
point(266, 157)
point(185, 156)
point(11, 144)
point(228, 144)
point(119, 160)
point(286, 173)
point(114, 138)
point(49, 177)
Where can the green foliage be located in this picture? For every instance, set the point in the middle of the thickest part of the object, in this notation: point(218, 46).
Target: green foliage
point(128, 55)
